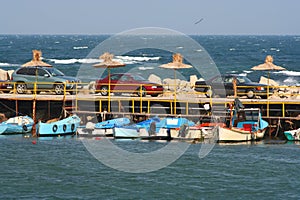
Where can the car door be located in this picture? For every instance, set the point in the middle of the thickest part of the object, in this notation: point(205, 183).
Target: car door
point(44, 81)
point(115, 82)
point(218, 86)
point(228, 84)
point(31, 77)
point(126, 83)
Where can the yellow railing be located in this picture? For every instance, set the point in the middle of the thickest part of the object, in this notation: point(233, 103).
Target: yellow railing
point(286, 97)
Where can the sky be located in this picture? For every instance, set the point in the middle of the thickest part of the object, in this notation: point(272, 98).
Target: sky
point(217, 17)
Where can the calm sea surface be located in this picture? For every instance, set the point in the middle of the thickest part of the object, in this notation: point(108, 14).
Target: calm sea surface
point(63, 168)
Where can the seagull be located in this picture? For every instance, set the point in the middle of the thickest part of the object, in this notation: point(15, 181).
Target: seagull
point(200, 20)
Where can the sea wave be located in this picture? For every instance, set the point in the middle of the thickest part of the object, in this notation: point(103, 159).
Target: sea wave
point(124, 59)
point(137, 58)
point(8, 65)
point(288, 73)
point(4, 64)
point(82, 47)
point(74, 60)
point(145, 68)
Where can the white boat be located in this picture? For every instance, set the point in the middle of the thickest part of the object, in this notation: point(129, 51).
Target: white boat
point(246, 125)
point(198, 132)
point(101, 129)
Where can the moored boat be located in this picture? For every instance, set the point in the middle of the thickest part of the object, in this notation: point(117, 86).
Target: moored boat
point(245, 125)
point(292, 135)
point(145, 129)
point(16, 125)
point(102, 129)
point(153, 128)
point(66, 126)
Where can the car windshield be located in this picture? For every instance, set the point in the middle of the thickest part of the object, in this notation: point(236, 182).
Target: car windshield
point(138, 77)
point(243, 79)
point(55, 72)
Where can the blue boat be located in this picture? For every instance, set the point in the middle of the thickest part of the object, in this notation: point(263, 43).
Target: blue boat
point(292, 135)
point(101, 129)
point(16, 125)
point(112, 123)
point(152, 128)
point(67, 126)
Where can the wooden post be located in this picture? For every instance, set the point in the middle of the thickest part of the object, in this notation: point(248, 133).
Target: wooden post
point(234, 82)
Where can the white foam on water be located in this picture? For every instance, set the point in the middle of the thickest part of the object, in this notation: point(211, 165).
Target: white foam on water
point(288, 73)
point(137, 58)
point(124, 59)
point(274, 49)
point(8, 65)
point(4, 64)
point(145, 68)
point(243, 74)
point(74, 60)
point(82, 47)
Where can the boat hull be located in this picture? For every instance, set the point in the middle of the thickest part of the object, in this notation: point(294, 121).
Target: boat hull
point(140, 133)
point(67, 126)
point(96, 132)
point(292, 135)
point(236, 135)
point(16, 125)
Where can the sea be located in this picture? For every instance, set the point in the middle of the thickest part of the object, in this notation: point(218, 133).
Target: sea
point(76, 168)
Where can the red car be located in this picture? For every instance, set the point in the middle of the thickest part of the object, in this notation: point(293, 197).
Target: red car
point(128, 83)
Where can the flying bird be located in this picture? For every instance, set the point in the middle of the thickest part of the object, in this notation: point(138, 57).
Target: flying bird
point(200, 20)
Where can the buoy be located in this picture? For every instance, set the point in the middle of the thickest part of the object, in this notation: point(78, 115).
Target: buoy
point(97, 138)
point(34, 142)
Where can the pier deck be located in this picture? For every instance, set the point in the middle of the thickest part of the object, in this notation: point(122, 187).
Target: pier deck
point(187, 105)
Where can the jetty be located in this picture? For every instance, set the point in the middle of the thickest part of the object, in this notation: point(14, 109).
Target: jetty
point(187, 104)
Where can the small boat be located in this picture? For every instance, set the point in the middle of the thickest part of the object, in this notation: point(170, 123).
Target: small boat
point(152, 128)
point(102, 129)
point(245, 125)
point(66, 126)
point(292, 135)
point(180, 128)
point(200, 132)
point(144, 129)
point(16, 125)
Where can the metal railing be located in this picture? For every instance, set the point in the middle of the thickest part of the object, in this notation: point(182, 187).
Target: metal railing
point(285, 103)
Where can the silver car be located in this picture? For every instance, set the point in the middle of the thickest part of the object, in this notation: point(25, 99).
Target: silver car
point(46, 78)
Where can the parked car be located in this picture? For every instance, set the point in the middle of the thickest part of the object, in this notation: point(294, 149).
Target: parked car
point(223, 85)
point(5, 86)
point(46, 78)
point(128, 83)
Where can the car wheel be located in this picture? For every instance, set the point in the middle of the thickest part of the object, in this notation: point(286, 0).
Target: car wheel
point(250, 94)
point(21, 88)
point(141, 92)
point(104, 90)
point(209, 93)
point(59, 88)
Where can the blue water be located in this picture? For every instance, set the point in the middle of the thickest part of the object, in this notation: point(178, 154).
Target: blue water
point(232, 54)
point(63, 168)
